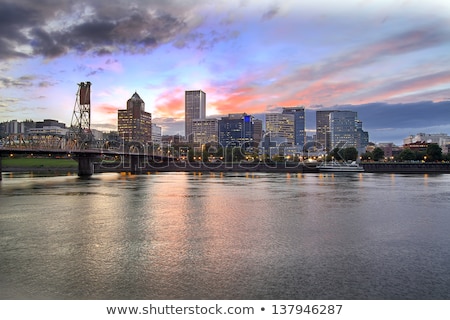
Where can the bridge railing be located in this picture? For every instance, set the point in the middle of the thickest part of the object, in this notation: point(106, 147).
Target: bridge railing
point(96, 151)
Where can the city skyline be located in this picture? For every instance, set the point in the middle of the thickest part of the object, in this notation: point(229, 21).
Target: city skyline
point(385, 60)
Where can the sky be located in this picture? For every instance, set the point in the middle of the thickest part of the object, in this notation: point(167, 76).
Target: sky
point(387, 60)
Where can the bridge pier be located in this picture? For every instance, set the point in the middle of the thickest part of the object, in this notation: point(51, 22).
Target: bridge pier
point(0, 167)
point(135, 165)
point(85, 166)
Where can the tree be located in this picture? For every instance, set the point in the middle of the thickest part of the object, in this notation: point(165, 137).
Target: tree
point(407, 155)
point(234, 154)
point(420, 155)
point(350, 153)
point(367, 156)
point(434, 152)
point(378, 154)
point(446, 157)
point(337, 154)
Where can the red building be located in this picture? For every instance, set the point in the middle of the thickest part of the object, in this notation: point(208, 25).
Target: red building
point(134, 124)
point(420, 146)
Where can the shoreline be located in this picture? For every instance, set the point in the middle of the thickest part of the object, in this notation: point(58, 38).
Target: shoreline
point(39, 170)
point(410, 168)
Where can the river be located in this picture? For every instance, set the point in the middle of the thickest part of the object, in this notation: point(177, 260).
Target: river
point(225, 236)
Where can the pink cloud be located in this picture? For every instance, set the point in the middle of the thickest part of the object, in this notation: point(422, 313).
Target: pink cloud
point(244, 99)
point(170, 104)
point(105, 108)
point(410, 87)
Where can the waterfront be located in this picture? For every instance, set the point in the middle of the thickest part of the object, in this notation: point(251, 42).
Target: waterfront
point(225, 236)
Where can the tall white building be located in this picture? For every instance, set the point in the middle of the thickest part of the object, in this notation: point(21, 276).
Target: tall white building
point(299, 123)
point(156, 134)
point(343, 129)
point(346, 131)
point(194, 108)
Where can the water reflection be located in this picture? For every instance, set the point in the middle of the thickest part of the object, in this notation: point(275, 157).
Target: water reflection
point(225, 236)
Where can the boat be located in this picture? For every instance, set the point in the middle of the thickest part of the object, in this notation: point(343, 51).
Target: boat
point(335, 166)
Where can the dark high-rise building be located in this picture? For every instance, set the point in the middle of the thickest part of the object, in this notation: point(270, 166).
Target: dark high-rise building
point(235, 130)
point(299, 124)
point(362, 137)
point(257, 130)
point(340, 129)
point(134, 123)
point(194, 108)
point(323, 129)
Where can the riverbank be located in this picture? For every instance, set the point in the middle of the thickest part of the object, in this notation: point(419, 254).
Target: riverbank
point(51, 165)
point(206, 167)
point(293, 167)
point(39, 165)
point(404, 167)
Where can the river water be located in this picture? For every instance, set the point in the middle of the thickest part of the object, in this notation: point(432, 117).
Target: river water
point(225, 236)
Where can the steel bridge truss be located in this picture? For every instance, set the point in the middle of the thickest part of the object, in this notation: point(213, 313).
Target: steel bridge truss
point(80, 135)
point(36, 141)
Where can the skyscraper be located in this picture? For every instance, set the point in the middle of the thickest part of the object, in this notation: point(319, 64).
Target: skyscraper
point(343, 129)
point(299, 124)
point(236, 130)
point(134, 124)
point(323, 129)
point(280, 126)
point(194, 108)
point(257, 130)
point(362, 137)
point(340, 129)
point(156, 134)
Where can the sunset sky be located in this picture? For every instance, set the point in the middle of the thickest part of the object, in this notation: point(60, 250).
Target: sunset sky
point(388, 60)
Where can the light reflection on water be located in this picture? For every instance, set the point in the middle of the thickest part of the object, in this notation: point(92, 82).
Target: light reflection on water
point(225, 236)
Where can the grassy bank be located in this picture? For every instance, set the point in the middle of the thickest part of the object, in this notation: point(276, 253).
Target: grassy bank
point(42, 163)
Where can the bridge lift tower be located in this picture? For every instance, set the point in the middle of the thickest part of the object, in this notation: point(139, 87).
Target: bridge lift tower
point(80, 128)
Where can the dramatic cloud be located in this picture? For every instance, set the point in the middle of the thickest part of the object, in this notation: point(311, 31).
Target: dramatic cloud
point(393, 122)
point(369, 53)
point(16, 19)
point(271, 13)
point(248, 56)
point(393, 89)
point(387, 116)
point(58, 27)
point(21, 82)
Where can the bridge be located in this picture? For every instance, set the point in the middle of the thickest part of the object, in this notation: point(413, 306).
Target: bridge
point(78, 143)
point(131, 161)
